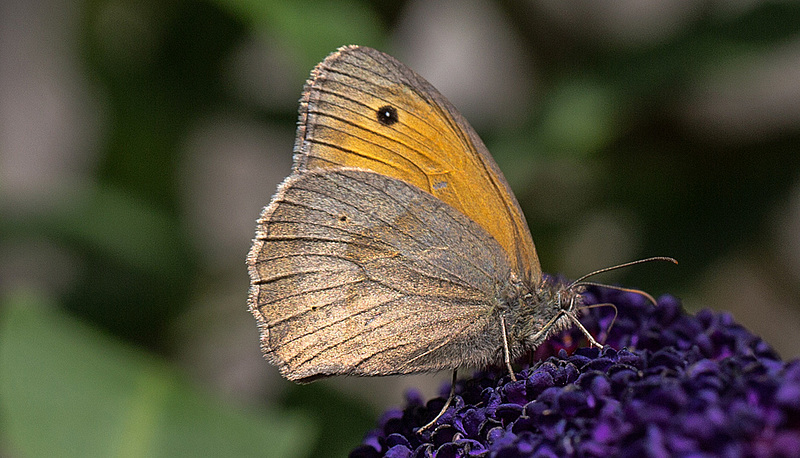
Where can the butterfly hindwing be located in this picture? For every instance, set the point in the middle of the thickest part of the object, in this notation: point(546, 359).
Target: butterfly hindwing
point(358, 273)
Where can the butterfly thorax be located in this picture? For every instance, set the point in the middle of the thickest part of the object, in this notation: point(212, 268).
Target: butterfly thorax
point(537, 313)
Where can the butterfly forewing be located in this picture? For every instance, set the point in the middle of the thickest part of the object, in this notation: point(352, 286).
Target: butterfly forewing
point(430, 145)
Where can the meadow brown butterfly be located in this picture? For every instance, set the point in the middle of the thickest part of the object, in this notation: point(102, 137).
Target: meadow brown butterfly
point(396, 245)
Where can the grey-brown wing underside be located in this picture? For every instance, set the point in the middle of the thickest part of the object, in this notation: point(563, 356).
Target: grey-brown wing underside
point(356, 273)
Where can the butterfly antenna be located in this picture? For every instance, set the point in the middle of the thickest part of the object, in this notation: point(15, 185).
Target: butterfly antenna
point(581, 281)
point(620, 288)
point(620, 266)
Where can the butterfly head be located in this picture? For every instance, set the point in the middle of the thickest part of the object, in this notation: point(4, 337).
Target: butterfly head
point(550, 308)
point(554, 305)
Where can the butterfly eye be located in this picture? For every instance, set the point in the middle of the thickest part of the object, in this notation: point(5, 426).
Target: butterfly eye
point(387, 115)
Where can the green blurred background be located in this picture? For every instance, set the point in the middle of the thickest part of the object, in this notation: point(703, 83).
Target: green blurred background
point(139, 141)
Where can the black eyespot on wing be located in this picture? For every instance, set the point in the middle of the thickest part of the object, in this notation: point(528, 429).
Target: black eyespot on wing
point(387, 115)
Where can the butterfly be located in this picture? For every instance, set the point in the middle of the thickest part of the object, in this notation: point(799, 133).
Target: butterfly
point(396, 246)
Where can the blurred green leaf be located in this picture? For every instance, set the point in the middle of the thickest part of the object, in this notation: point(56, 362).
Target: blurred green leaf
point(108, 222)
point(313, 28)
point(329, 406)
point(581, 117)
point(68, 390)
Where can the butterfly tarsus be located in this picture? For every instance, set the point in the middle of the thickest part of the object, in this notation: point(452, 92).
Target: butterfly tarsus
point(445, 406)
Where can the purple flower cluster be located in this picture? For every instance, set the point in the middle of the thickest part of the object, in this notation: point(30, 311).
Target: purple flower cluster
point(667, 383)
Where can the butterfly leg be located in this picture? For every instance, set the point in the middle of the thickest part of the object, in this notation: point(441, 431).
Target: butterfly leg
point(446, 404)
point(592, 342)
point(506, 352)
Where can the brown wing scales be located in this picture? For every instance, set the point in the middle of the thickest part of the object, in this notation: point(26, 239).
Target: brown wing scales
point(349, 295)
